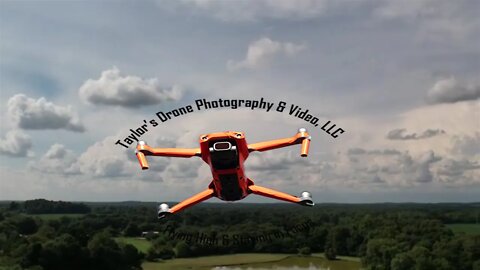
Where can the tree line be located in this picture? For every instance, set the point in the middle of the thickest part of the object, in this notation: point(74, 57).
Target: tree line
point(384, 236)
point(42, 206)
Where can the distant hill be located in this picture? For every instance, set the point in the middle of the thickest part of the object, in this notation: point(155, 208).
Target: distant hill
point(42, 206)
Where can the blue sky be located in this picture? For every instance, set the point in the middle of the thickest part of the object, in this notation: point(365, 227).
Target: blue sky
point(401, 77)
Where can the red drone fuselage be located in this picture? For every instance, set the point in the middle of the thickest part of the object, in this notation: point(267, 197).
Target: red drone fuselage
point(225, 153)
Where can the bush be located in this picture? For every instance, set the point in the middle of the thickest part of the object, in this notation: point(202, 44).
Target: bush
point(304, 251)
point(330, 254)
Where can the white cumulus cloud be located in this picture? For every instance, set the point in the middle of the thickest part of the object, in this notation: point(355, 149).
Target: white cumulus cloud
point(28, 113)
point(450, 90)
point(104, 159)
point(16, 144)
point(116, 89)
point(57, 160)
point(261, 52)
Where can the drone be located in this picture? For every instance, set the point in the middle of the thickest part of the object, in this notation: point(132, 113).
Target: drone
point(225, 153)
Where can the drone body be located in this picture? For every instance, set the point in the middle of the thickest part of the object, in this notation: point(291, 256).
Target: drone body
point(225, 153)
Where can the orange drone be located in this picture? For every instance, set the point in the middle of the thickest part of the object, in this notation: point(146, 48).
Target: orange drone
point(225, 153)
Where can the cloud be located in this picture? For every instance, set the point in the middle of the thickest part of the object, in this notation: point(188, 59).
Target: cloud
point(437, 20)
point(434, 19)
point(181, 168)
point(377, 180)
point(466, 146)
point(57, 151)
point(275, 161)
point(419, 170)
point(254, 10)
point(57, 160)
point(357, 169)
point(100, 160)
point(449, 90)
point(115, 89)
point(390, 166)
point(261, 52)
point(393, 9)
point(395, 170)
point(28, 113)
point(399, 134)
point(16, 144)
point(361, 151)
point(455, 168)
point(104, 159)
point(458, 172)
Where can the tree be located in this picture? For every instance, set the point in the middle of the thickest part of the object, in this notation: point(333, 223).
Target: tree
point(318, 237)
point(132, 230)
point(340, 237)
point(402, 261)
point(26, 225)
point(423, 260)
point(163, 252)
point(63, 252)
point(46, 232)
point(32, 255)
point(380, 253)
point(13, 206)
point(305, 251)
point(182, 250)
point(330, 246)
point(105, 252)
point(132, 257)
point(442, 264)
point(160, 249)
point(476, 265)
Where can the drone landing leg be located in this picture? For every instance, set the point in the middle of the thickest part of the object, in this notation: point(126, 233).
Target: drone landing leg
point(305, 200)
point(164, 210)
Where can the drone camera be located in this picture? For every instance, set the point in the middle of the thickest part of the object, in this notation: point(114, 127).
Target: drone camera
point(222, 146)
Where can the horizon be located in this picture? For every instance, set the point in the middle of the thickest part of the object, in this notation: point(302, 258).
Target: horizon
point(80, 84)
point(241, 202)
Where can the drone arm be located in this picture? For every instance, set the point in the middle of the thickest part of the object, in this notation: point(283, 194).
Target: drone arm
point(302, 137)
point(202, 196)
point(305, 199)
point(144, 150)
point(266, 192)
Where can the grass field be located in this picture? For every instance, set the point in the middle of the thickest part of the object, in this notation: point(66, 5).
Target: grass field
point(342, 258)
point(208, 262)
point(265, 260)
point(468, 229)
point(140, 243)
point(56, 216)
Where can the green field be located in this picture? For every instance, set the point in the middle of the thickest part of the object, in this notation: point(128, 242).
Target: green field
point(207, 262)
point(56, 216)
point(468, 229)
point(141, 244)
point(211, 261)
point(253, 260)
point(342, 258)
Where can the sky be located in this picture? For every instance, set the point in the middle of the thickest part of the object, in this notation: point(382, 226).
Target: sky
point(400, 77)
